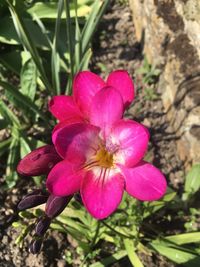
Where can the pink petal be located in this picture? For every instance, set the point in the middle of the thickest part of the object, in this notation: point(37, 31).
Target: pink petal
point(144, 181)
point(76, 142)
point(64, 179)
point(39, 161)
point(63, 107)
point(130, 140)
point(121, 81)
point(64, 123)
point(102, 191)
point(85, 85)
point(106, 108)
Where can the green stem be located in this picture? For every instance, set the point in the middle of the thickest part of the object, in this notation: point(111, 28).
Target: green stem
point(96, 234)
point(112, 229)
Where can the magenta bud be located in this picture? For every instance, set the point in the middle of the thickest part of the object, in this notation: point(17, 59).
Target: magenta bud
point(35, 246)
point(31, 201)
point(42, 226)
point(38, 162)
point(55, 205)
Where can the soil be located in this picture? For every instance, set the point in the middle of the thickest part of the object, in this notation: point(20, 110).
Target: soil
point(115, 47)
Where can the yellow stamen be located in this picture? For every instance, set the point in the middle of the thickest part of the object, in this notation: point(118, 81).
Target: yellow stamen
point(104, 158)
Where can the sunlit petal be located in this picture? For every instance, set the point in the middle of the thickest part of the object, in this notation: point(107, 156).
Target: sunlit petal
point(144, 181)
point(102, 191)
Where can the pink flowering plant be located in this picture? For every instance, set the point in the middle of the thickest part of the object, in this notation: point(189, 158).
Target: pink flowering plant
point(102, 152)
point(96, 154)
point(89, 162)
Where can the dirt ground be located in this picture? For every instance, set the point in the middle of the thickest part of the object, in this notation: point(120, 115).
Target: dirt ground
point(115, 47)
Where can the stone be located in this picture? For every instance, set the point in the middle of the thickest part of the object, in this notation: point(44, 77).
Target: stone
point(169, 31)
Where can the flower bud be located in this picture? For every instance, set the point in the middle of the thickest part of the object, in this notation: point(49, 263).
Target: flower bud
point(38, 162)
point(42, 226)
point(55, 205)
point(31, 201)
point(35, 246)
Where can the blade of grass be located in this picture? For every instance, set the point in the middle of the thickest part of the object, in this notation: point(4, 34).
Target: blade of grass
point(24, 147)
point(92, 22)
point(85, 60)
point(4, 146)
point(133, 257)
point(13, 158)
point(111, 259)
point(8, 114)
point(27, 42)
point(70, 44)
point(77, 39)
point(55, 59)
point(24, 100)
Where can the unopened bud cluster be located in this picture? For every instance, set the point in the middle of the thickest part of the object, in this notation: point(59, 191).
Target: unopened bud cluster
point(53, 207)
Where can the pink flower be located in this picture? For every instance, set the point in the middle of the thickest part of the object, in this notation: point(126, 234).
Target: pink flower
point(104, 157)
point(76, 108)
point(95, 151)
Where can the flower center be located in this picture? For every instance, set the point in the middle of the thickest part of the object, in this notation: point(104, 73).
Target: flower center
point(104, 158)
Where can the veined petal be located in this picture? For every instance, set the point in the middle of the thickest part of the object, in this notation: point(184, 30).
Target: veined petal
point(76, 142)
point(144, 181)
point(121, 81)
point(102, 191)
point(131, 141)
point(64, 108)
point(85, 85)
point(64, 179)
point(106, 109)
point(67, 122)
point(39, 161)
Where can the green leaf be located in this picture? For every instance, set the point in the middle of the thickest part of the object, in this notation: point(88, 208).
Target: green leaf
point(184, 238)
point(26, 40)
point(74, 213)
point(177, 255)
point(109, 260)
point(97, 12)
point(49, 10)
point(8, 114)
point(192, 182)
point(8, 34)
point(24, 100)
point(55, 58)
point(133, 257)
point(24, 147)
point(4, 146)
point(3, 124)
point(16, 224)
point(58, 227)
point(70, 36)
point(28, 79)
point(12, 161)
point(152, 207)
point(85, 60)
point(69, 222)
point(25, 214)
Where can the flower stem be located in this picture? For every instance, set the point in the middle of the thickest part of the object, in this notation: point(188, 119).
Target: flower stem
point(96, 234)
point(112, 229)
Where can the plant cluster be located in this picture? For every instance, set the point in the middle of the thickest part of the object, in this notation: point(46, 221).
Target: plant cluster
point(93, 154)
